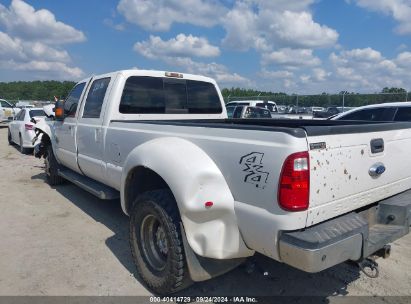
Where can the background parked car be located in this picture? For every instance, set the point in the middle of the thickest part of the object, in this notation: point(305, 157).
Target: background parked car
point(21, 129)
point(394, 111)
point(269, 105)
point(247, 112)
point(7, 111)
point(330, 111)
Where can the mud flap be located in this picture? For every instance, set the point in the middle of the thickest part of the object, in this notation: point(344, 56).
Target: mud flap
point(201, 268)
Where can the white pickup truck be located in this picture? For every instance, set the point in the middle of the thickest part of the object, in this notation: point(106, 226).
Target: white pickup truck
point(7, 111)
point(204, 192)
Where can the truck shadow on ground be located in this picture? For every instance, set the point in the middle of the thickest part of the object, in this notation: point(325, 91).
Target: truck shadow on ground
point(267, 278)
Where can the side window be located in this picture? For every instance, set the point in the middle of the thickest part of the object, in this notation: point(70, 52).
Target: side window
point(22, 114)
point(71, 102)
point(403, 114)
point(95, 98)
point(378, 114)
point(266, 114)
point(17, 117)
point(4, 104)
point(237, 112)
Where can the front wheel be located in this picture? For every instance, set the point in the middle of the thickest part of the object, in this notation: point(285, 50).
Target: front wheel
point(156, 242)
point(51, 168)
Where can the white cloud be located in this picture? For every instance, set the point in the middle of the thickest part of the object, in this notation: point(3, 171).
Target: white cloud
point(281, 74)
point(320, 74)
point(298, 28)
point(32, 42)
point(404, 59)
point(291, 57)
point(357, 70)
point(177, 53)
point(400, 10)
point(22, 20)
point(266, 27)
point(281, 5)
point(364, 55)
point(159, 15)
point(180, 46)
point(368, 70)
point(10, 48)
point(117, 26)
point(217, 71)
point(59, 69)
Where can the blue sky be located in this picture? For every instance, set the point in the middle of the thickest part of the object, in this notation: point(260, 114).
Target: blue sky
point(293, 46)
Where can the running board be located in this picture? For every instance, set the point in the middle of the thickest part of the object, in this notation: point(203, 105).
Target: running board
point(97, 189)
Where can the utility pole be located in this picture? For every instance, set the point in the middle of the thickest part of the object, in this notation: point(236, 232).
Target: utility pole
point(343, 105)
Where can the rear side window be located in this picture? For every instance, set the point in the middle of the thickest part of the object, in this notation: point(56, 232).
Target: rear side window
point(95, 98)
point(403, 114)
point(70, 105)
point(230, 111)
point(380, 114)
point(5, 104)
point(155, 95)
point(34, 113)
point(21, 116)
point(268, 106)
point(266, 114)
point(237, 112)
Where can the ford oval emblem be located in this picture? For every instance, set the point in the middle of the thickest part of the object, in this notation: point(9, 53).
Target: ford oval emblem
point(380, 170)
point(376, 169)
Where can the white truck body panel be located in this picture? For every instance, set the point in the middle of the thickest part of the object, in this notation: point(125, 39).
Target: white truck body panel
point(203, 162)
point(340, 172)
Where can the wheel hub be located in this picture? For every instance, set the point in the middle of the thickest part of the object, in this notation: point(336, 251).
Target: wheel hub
point(153, 242)
point(161, 240)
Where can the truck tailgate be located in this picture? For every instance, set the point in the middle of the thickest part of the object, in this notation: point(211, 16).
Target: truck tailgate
point(352, 170)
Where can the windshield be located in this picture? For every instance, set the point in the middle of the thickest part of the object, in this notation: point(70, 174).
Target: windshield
point(35, 113)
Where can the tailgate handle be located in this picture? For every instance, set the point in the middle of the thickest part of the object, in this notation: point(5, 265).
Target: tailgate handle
point(377, 145)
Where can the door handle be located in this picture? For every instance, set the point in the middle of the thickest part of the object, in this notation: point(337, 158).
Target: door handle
point(377, 145)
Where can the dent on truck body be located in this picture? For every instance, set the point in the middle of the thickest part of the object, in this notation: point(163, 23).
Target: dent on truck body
point(194, 180)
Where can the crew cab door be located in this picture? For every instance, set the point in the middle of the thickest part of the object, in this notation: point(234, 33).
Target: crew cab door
point(65, 131)
point(90, 135)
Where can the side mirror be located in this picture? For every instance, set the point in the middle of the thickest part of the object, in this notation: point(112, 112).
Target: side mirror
point(59, 110)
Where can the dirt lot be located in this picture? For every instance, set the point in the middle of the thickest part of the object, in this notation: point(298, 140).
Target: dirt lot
point(64, 241)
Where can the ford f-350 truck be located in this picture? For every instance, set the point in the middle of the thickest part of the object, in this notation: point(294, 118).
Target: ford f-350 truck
point(204, 192)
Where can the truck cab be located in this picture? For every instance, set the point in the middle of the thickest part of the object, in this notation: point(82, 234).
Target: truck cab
point(7, 111)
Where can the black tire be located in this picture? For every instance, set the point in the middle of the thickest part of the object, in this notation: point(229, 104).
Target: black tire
point(158, 250)
point(51, 168)
point(9, 139)
point(22, 149)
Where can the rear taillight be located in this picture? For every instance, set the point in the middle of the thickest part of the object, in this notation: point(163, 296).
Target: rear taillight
point(28, 126)
point(294, 185)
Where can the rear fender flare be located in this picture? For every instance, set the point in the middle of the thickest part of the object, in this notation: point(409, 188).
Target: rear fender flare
point(194, 179)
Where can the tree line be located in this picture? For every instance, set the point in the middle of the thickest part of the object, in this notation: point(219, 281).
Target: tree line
point(46, 90)
point(35, 90)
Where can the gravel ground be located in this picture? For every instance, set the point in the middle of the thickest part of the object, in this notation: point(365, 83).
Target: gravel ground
point(63, 241)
